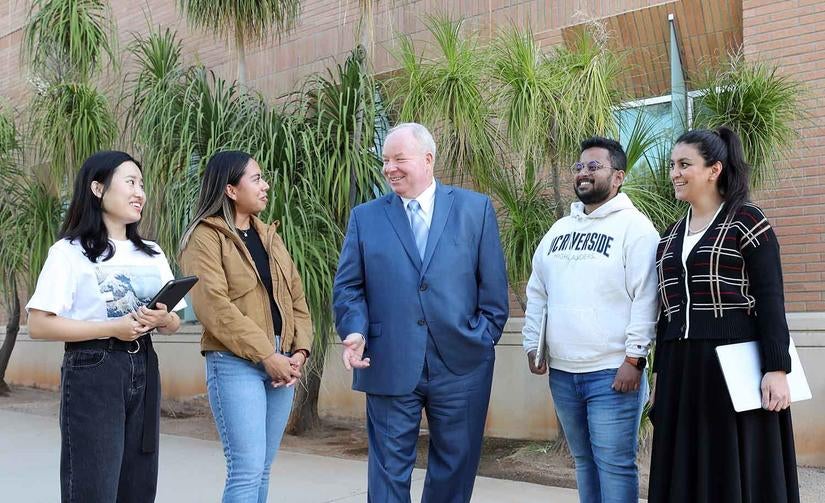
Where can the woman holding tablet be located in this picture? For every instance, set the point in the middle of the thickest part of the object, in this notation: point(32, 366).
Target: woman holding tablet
point(257, 331)
point(91, 294)
point(720, 282)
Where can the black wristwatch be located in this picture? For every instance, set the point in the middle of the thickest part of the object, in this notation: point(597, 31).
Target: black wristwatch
point(637, 361)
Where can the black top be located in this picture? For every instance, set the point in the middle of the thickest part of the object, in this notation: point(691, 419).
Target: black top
point(734, 285)
point(256, 248)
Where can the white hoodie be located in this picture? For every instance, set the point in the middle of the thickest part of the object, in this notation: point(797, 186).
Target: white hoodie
point(596, 274)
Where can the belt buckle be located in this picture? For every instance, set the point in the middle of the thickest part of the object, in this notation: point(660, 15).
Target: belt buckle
point(137, 343)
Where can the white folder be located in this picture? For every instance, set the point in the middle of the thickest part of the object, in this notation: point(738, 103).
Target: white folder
point(741, 366)
point(542, 349)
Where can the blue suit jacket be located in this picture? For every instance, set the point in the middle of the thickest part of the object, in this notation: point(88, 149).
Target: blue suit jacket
point(385, 291)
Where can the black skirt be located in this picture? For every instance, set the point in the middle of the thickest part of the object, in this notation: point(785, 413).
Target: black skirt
point(703, 450)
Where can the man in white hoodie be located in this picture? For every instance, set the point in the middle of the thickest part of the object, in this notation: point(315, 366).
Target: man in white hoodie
point(594, 271)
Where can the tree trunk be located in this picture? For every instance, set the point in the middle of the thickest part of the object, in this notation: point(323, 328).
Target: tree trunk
point(362, 56)
point(240, 48)
point(519, 292)
point(557, 192)
point(12, 329)
point(366, 25)
point(304, 416)
point(559, 444)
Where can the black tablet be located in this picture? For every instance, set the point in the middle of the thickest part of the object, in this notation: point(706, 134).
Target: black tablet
point(172, 292)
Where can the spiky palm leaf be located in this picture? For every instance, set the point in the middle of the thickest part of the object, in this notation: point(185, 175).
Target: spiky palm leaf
point(69, 122)
point(447, 93)
point(242, 21)
point(306, 152)
point(526, 212)
point(67, 39)
point(760, 104)
point(525, 92)
point(13, 257)
point(648, 182)
point(587, 96)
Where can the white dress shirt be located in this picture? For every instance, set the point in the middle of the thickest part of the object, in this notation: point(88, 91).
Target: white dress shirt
point(427, 201)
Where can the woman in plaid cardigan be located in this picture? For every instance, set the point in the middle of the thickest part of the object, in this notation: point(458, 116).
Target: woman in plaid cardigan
point(720, 282)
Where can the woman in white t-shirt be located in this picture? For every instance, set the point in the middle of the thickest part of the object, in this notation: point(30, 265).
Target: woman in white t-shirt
point(91, 294)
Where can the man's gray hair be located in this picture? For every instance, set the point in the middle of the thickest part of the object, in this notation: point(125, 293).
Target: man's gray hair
point(421, 133)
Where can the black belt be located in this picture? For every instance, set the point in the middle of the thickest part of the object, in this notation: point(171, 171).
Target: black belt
point(151, 402)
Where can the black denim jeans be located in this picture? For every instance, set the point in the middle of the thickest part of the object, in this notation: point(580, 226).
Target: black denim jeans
point(101, 424)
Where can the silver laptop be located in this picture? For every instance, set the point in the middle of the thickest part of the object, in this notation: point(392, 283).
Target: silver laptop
point(741, 366)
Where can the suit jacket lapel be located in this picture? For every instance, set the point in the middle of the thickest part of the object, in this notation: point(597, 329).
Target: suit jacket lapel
point(401, 224)
point(441, 211)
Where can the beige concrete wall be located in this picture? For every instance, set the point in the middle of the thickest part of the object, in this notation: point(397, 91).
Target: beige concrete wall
point(37, 362)
point(520, 406)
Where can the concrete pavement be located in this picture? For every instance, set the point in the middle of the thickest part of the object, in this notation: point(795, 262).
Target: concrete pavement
point(192, 471)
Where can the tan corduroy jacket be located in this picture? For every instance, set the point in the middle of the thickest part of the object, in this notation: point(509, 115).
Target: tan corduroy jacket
point(230, 299)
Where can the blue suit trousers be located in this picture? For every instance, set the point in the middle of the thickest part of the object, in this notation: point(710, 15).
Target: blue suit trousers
point(456, 408)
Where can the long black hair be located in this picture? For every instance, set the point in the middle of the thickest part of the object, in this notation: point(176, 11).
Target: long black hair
point(725, 146)
point(84, 219)
point(223, 168)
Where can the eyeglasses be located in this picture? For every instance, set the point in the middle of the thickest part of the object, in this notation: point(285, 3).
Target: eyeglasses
point(589, 167)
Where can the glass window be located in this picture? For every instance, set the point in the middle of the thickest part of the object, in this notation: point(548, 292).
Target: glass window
point(657, 115)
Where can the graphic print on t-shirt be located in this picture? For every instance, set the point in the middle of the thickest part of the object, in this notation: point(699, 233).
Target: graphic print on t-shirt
point(126, 289)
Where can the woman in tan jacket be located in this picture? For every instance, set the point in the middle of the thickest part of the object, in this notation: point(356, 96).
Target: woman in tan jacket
point(257, 331)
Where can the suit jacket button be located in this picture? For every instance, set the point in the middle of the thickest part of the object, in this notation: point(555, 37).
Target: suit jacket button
point(423, 287)
point(422, 322)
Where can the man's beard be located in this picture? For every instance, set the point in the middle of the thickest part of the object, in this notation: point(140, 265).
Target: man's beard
point(597, 194)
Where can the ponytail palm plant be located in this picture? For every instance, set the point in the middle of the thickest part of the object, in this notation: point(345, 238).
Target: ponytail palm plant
point(177, 117)
point(758, 102)
point(30, 212)
point(69, 122)
point(752, 98)
point(334, 171)
point(524, 90)
point(68, 117)
point(547, 103)
point(64, 43)
point(13, 257)
point(242, 22)
point(66, 40)
point(448, 94)
point(647, 182)
point(586, 99)
point(180, 116)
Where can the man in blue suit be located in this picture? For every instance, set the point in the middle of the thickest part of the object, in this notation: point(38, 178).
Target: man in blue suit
point(420, 301)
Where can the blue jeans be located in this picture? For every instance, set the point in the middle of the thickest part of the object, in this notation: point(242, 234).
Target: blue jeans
point(101, 428)
point(601, 427)
point(250, 416)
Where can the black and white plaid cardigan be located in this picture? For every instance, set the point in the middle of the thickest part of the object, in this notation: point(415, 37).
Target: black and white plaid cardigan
point(734, 285)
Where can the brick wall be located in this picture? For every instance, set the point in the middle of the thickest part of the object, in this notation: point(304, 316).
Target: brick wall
point(326, 30)
point(789, 33)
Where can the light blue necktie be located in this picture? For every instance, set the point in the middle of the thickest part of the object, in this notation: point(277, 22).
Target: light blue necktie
point(419, 227)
